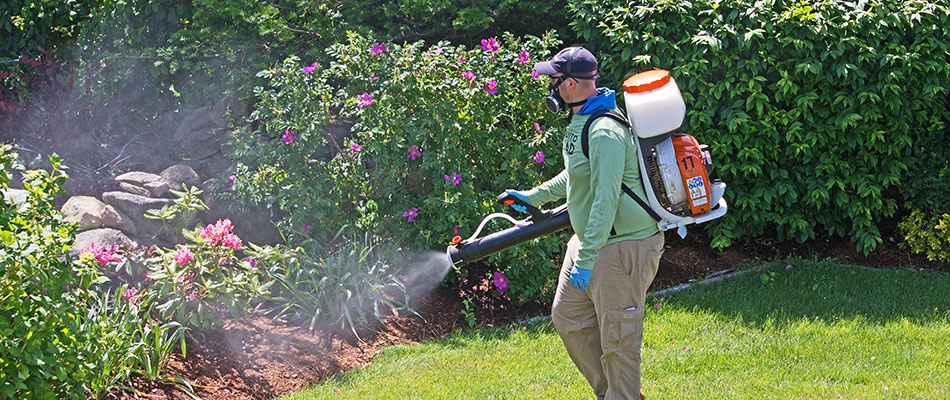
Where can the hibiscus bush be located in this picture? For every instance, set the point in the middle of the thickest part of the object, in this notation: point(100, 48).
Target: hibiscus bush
point(411, 142)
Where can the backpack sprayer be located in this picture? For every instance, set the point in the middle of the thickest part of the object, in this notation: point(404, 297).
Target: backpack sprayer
point(673, 167)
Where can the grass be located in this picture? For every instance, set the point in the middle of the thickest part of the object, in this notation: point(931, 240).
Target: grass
point(816, 331)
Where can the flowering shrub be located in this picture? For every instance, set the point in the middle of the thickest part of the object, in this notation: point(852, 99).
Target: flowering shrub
point(436, 134)
point(199, 283)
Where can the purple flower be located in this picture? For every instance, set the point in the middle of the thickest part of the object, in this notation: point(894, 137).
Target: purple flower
point(354, 148)
point(365, 99)
point(523, 57)
point(305, 228)
point(501, 282)
point(470, 76)
point(378, 49)
point(489, 45)
point(539, 157)
point(411, 214)
point(788, 267)
point(414, 152)
point(454, 179)
point(231, 181)
point(456, 228)
point(310, 69)
point(289, 136)
point(490, 87)
point(535, 74)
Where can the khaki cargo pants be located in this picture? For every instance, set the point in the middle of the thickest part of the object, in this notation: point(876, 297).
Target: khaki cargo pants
point(602, 327)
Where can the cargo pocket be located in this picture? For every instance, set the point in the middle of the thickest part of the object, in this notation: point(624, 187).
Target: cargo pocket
point(624, 331)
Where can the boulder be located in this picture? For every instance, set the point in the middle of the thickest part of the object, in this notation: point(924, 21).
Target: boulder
point(132, 205)
point(176, 175)
point(138, 178)
point(84, 210)
point(101, 237)
point(16, 195)
point(157, 188)
point(134, 189)
point(112, 218)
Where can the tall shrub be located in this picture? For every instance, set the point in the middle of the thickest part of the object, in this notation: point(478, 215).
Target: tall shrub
point(812, 108)
point(435, 133)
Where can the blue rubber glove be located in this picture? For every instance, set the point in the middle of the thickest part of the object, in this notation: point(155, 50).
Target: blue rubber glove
point(520, 196)
point(580, 277)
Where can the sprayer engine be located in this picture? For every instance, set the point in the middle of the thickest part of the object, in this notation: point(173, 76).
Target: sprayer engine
point(675, 165)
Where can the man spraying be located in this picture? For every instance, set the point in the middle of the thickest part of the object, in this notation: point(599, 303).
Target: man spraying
point(615, 251)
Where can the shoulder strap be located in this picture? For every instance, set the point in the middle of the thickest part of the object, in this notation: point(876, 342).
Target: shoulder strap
point(585, 133)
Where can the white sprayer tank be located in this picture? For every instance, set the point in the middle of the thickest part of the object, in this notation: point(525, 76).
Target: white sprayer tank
point(654, 103)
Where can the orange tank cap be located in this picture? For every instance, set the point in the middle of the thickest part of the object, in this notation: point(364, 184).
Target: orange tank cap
point(646, 81)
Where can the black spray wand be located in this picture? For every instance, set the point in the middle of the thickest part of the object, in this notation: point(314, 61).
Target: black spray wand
point(537, 224)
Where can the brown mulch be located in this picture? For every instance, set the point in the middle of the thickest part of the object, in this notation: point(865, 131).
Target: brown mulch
point(257, 358)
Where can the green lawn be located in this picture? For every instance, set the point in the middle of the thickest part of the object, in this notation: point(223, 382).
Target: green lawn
point(816, 331)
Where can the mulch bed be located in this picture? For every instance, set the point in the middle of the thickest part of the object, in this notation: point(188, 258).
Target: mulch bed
point(256, 358)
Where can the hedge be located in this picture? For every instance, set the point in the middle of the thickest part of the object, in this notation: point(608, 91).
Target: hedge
point(814, 110)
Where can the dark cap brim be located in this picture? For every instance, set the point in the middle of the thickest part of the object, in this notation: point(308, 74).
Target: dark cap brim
point(545, 68)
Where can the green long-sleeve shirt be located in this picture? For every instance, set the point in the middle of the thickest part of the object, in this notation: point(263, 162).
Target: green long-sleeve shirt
point(600, 212)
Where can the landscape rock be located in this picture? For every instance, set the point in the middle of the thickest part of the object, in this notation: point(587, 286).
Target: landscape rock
point(134, 189)
point(86, 211)
point(101, 237)
point(138, 178)
point(132, 205)
point(17, 195)
point(157, 188)
point(176, 175)
point(112, 218)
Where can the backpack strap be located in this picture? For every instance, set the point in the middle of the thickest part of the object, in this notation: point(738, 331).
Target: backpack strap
point(585, 148)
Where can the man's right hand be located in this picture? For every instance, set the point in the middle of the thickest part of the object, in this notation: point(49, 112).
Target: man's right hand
point(520, 195)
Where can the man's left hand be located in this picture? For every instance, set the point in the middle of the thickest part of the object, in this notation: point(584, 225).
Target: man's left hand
point(580, 277)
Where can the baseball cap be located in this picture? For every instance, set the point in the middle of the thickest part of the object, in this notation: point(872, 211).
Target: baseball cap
point(575, 62)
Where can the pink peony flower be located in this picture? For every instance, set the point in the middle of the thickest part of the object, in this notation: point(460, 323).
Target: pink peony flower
point(490, 87)
point(365, 99)
point(378, 49)
point(414, 152)
point(289, 136)
point(523, 57)
point(489, 45)
point(411, 214)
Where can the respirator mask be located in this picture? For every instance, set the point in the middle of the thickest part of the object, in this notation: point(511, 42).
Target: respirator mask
point(554, 102)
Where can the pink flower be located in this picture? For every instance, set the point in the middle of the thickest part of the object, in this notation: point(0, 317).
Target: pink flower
point(490, 87)
point(470, 76)
point(192, 296)
point(305, 228)
point(183, 256)
point(454, 179)
point(252, 262)
point(309, 69)
point(365, 99)
point(354, 148)
point(489, 45)
point(535, 74)
point(501, 282)
point(538, 128)
point(461, 59)
point(373, 77)
point(378, 49)
point(411, 214)
point(289, 136)
point(103, 255)
point(414, 152)
point(539, 157)
point(129, 294)
point(523, 57)
point(220, 234)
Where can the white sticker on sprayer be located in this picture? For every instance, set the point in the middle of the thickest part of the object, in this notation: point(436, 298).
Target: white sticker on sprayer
point(696, 187)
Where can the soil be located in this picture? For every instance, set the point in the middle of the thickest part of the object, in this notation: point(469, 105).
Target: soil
point(256, 358)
